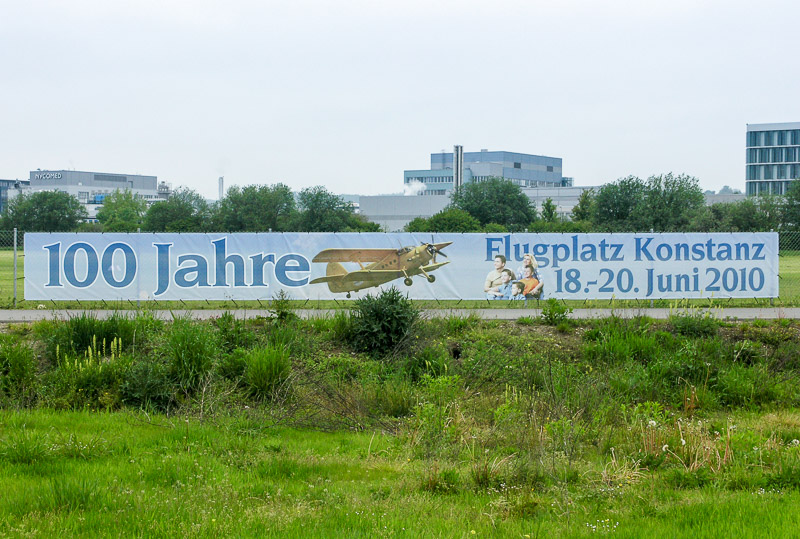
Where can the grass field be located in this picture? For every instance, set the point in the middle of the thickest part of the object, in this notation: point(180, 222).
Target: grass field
point(379, 424)
point(789, 295)
point(125, 474)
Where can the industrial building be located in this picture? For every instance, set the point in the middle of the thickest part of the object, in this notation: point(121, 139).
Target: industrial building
point(772, 157)
point(91, 188)
point(393, 212)
point(9, 189)
point(449, 169)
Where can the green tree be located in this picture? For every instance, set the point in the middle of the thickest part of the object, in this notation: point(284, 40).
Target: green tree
point(323, 211)
point(418, 224)
point(615, 202)
point(666, 203)
point(44, 211)
point(585, 206)
point(495, 200)
point(122, 211)
point(670, 203)
point(184, 211)
point(447, 220)
point(753, 214)
point(791, 209)
point(256, 208)
point(549, 211)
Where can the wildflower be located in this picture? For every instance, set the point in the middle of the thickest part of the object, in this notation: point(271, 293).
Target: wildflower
point(652, 423)
point(664, 449)
point(795, 442)
point(472, 532)
point(683, 442)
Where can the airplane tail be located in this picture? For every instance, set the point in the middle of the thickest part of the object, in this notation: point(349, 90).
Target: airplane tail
point(334, 269)
point(333, 275)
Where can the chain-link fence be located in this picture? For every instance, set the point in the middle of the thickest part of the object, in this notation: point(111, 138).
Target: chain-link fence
point(12, 263)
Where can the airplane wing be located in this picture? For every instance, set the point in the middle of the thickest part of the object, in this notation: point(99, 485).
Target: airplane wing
point(371, 275)
point(353, 255)
point(328, 279)
point(431, 267)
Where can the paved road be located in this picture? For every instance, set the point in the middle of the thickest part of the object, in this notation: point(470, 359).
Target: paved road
point(31, 315)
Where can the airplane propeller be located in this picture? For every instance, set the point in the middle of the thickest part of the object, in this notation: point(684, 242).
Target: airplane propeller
point(431, 248)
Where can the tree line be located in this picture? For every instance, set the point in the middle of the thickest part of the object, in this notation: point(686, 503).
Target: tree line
point(663, 203)
point(254, 208)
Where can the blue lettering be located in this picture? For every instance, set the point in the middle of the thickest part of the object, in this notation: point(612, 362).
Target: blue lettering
point(130, 265)
point(91, 265)
point(162, 267)
point(491, 250)
point(291, 263)
point(222, 260)
point(641, 249)
point(259, 261)
point(199, 269)
point(53, 266)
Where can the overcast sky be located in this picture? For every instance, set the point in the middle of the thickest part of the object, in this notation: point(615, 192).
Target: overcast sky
point(348, 94)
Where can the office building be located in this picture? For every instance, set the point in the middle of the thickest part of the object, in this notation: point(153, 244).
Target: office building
point(523, 169)
point(772, 157)
point(91, 188)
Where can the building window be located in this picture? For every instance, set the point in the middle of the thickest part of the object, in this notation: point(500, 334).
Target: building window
point(549, 169)
point(517, 165)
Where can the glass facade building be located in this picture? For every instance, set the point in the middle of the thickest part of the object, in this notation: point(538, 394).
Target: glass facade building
point(772, 157)
point(523, 169)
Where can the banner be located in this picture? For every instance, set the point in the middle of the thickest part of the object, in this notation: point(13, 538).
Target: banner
point(245, 266)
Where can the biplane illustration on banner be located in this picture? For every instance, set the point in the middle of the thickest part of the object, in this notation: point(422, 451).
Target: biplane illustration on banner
point(386, 266)
point(491, 267)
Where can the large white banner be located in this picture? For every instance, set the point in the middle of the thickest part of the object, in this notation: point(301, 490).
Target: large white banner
point(243, 266)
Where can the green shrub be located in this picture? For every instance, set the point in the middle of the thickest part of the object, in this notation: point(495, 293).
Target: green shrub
point(381, 323)
point(555, 312)
point(232, 366)
point(266, 370)
point(431, 360)
point(17, 373)
point(190, 348)
point(699, 324)
point(233, 333)
point(147, 385)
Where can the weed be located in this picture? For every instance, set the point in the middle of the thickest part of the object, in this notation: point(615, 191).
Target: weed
point(190, 350)
point(25, 446)
point(282, 308)
point(555, 312)
point(17, 373)
point(71, 494)
point(266, 370)
point(233, 333)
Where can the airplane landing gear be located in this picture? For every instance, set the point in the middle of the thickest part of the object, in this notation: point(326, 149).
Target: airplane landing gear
point(407, 281)
point(431, 278)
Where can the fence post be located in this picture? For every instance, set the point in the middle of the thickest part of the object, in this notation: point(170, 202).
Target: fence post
point(15, 267)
